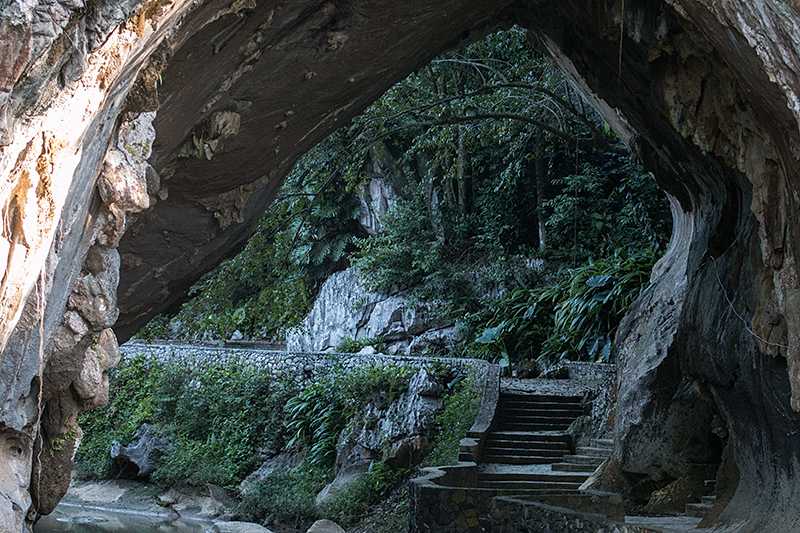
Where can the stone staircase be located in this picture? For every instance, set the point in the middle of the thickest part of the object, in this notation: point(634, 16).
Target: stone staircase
point(586, 458)
point(699, 510)
point(530, 449)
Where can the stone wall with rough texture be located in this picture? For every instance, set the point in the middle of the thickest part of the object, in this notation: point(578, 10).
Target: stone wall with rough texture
point(298, 366)
point(512, 515)
point(705, 93)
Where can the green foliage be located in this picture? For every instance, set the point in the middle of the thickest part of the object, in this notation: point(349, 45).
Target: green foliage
point(351, 345)
point(259, 292)
point(460, 409)
point(575, 318)
point(217, 419)
point(601, 210)
point(317, 415)
point(590, 304)
point(287, 497)
point(347, 507)
point(157, 328)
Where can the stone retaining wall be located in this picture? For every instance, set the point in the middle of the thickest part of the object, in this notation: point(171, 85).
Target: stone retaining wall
point(446, 500)
point(298, 366)
point(514, 515)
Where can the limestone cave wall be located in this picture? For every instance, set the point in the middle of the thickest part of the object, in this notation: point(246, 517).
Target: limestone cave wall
point(140, 142)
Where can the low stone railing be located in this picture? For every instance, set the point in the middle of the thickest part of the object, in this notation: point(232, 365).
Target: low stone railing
point(590, 512)
point(471, 447)
point(298, 366)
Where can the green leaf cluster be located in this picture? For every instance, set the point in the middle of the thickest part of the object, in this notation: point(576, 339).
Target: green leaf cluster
point(217, 419)
point(575, 318)
point(318, 414)
point(460, 409)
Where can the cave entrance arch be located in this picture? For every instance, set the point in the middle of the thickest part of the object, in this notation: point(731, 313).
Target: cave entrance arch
point(704, 93)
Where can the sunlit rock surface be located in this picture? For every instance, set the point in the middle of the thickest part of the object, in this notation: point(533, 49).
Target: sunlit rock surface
point(346, 309)
point(705, 92)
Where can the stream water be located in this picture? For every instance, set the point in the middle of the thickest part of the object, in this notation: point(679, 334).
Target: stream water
point(82, 520)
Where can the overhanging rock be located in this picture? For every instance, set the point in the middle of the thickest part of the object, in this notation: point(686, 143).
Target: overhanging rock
point(706, 93)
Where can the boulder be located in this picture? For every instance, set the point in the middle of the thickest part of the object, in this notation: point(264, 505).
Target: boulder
point(145, 452)
point(282, 462)
point(399, 434)
point(356, 469)
point(238, 527)
point(325, 526)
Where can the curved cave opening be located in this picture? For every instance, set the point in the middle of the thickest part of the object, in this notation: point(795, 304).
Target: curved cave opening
point(707, 106)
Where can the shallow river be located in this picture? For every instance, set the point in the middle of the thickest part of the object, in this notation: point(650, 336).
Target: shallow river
point(82, 520)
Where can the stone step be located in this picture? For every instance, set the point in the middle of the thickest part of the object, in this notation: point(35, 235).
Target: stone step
point(530, 485)
point(697, 510)
point(546, 398)
point(584, 459)
point(524, 411)
point(539, 406)
point(514, 404)
point(529, 436)
point(531, 476)
point(496, 450)
point(603, 443)
point(517, 459)
point(559, 446)
point(542, 418)
point(591, 451)
point(532, 428)
point(710, 500)
point(572, 467)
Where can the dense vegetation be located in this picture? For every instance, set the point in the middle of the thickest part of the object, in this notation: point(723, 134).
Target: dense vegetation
point(223, 421)
point(509, 188)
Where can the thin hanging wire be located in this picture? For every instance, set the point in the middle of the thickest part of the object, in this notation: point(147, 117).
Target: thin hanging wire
point(740, 317)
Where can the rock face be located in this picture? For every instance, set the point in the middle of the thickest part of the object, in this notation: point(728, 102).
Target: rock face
point(145, 452)
point(705, 92)
point(345, 308)
point(397, 431)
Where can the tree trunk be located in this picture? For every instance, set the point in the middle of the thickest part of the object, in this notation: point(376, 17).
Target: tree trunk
point(541, 184)
point(462, 176)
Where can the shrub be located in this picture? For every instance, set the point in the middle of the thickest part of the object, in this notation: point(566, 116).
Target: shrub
point(348, 506)
point(216, 419)
point(460, 408)
point(284, 496)
point(575, 318)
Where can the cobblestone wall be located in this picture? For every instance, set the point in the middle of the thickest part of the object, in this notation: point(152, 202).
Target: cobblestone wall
point(513, 515)
point(298, 366)
point(445, 500)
